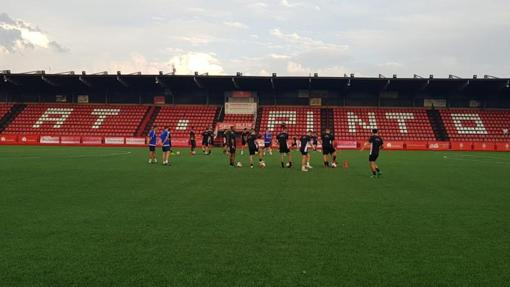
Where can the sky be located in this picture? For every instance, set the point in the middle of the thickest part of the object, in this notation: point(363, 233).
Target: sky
point(258, 37)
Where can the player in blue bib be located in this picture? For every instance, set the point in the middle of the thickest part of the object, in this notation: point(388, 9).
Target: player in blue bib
point(166, 144)
point(152, 140)
point(268, 139)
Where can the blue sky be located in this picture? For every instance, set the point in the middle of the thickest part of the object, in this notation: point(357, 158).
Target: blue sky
point(259, 37)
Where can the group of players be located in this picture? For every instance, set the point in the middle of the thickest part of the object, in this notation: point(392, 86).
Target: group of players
point(259, 145)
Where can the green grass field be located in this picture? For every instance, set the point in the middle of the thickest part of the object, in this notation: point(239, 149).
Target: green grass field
point(105, 217)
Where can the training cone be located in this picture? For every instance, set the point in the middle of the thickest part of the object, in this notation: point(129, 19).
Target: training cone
point(346, 164)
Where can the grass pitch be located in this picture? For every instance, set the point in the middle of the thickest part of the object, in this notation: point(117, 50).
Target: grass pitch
point(105, 217)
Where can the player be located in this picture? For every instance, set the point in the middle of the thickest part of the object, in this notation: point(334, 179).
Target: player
point(283, 137)
point(328, 148)
point(231, 145)
point(305, 145)
point(315, 141)
point(376, 144)
point(166, 143)
point(152, 139)
point(268, 138)
point(192, 140)
point(294, 142)
point(244, 139)
point(205, 141)
point(225, 148)
point(254, 148)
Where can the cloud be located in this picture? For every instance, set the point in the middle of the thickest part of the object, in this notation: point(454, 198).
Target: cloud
point(297, 40)
point(237, 25)
point(185, 63)
point(16, 35)
point(191, 62)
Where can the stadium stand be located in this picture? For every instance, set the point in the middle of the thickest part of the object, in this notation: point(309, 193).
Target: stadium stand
point(78, 120)
point(476, 125)
point(394, 124)
point(4, 109)
point(237, 118)
point(297, 119)
point(181, 118)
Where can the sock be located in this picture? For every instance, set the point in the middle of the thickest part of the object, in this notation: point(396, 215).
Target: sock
point(283, 165)
point(373, 172)
point(377, 169)
point(334, 158)
point(326, 163)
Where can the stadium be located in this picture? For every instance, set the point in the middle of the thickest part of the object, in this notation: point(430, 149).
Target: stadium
point(221, 178)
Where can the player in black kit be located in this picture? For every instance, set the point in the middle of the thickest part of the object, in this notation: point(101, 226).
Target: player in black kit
point(328, 148)
point(304, 149)
point(254, 148)
point(315, 141)
point(283, 138)
point(192, 141)
point(244, 139)
point(231, 145)
point(376, 144)
point(206, 140)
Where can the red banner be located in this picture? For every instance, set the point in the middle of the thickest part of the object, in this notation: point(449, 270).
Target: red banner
point(416, 145)
point(237, 126)
point(92, 140)
point(484, 146)
point(70, 140)
point(439, 145)
point(49, 140)
point(503, 146)
point(180, 142)
point(8, 139)
point(135, 141)
point(114, 140)
point(159, 100)
point(462, 146)
point(28, 139)
point(398, 145)
point(346, 145)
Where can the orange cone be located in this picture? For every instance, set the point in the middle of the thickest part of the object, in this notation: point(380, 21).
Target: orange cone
point(346, 164)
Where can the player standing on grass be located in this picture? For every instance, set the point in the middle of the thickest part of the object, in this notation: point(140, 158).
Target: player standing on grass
point(254, 148)
point(305, 145)
point(244, 139)
point(152, 139)
point(283, 138)
point(165, 142)
point(268, 138)
point(315, 141)
point(192, 141)
point(328, 148)
point(207, 136)
point(231, 145)
point(376, 144)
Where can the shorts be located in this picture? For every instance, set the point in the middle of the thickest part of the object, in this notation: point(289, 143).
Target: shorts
point(267, 145)
point(303, 151)
point(193, 143)
point(328, 150)
point(152, 148)
point(165, 148)
point(284, 149)
point(253, 150)
point(373, 157)
point(205, 142)
point(232, 149)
